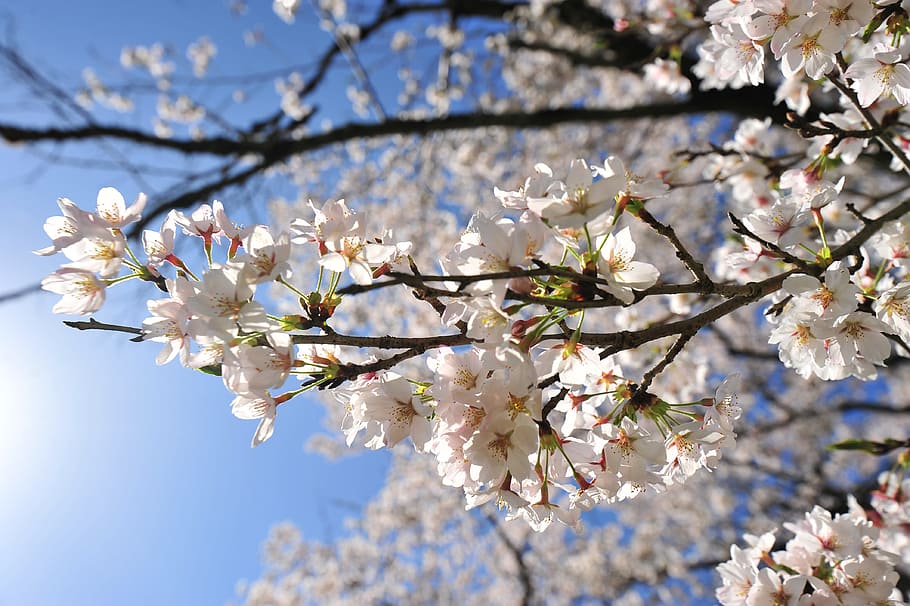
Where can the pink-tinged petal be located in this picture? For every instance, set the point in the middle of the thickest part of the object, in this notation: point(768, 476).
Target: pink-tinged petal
point(579, 175)
point(652, 450)
point(111, 206)
point(901, 95)
point(901, 75)
point(875, 346)
point(862, 68)
point(333, 261)
point(421, 433)
point(253, 318)
point(606, 189)
point(613, 166)
point(638, 275)
point(377, 254)
point(900, 83)
point(247, 408)
point(623, 294)
point(800, 284)
point(493, 237)
point(82, 305)
point(791, 63)
point(869, 89)
point(624, 243)
point(832, 40)
point(760, 28)
point(819, 64)
point(167, 353)
point(361, 273)
point(134, 211)
point(265, 430)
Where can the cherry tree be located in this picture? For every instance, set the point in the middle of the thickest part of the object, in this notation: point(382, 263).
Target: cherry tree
point(648, 306)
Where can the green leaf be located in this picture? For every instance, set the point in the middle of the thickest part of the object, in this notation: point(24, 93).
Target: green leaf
point(876, 23)
point(211, 369)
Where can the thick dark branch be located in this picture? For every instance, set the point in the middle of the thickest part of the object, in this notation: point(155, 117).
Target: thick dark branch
point(202, 193)
point(274, 151)
point(19, 292)
point(725, 290)
point(747, 102)
point(385, 342)
point(277, 149)
point(352, 371)
point(623, 340)
point(219, 146)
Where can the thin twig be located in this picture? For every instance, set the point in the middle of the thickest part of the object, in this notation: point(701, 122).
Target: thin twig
point(740, 228)
point(871, 120)
point(682, 253)
point(674, 351)
point(93, 324)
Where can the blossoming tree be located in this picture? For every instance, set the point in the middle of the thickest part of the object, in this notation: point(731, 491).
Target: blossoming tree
point(654, 263)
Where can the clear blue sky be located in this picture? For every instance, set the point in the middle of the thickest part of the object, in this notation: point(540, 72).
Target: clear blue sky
point(122, 482)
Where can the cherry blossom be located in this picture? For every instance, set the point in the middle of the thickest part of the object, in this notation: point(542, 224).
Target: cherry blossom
point(835, 298)
point(578, 200)
point(892, 308)
point(812, 48)
point(781, 224)
point(860, 340)
point(254, 369)
point(501, 445)
point(782, 20)
point(224, 305)
point(102, 253)
point(83, 292)
point(265, 257)
point(169, 322)
point(398, 413)
point(200, 223)
point(739, 57)
point(261, 407)
point(112, 208)
point(665, 76)
point(69, 228)
point(882, 75)
point(159, 245)
point(622, 273)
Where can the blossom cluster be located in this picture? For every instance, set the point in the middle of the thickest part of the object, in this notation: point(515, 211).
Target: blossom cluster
point(890, 512)
point(831, 324)
point(513, 413)
point(805, 37)
point(832, 559)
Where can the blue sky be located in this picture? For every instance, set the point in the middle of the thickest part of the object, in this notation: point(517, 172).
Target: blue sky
point(123, 482)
